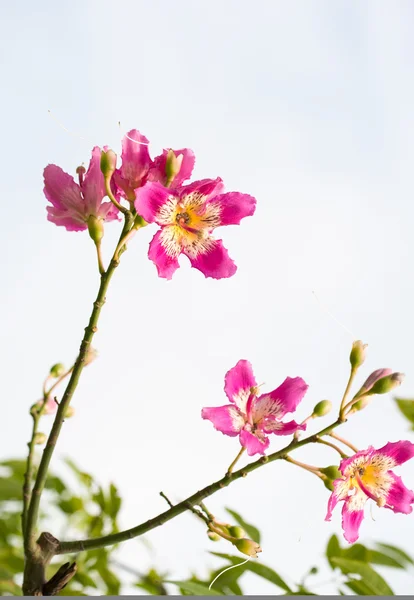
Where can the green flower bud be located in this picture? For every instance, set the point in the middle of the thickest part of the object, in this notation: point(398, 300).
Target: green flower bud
point(328, 483)
point(108, 163)
point(57, 370)
point(139, 222)
point(91, 354)
point(214, 537)
point(322, 408)
point(361, 404)
point(248, 547)
point(357, 356)
point(386, 384)
point(172, 166)
point(70, 411)
point(39, 438)
point(237, 532)
point(95, 228)
point(332, 472)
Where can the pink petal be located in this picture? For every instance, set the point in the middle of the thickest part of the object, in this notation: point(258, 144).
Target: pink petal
point(234, 206)
point(272, 425)
point(375, 376)
point(351, 521)
point(166, 263)
point(399, 452)
point(93, 186)
point(252, 443)
point(213, 261)
point(61, 190)
point(226, 419)
point(338, 494)
point(237, 383)
point(150, 199)
point(135, 158)
point(157, 170)
point(349, 462)
point(204, 187)
point(289, 394)
point(399, 497)
point(64, 218)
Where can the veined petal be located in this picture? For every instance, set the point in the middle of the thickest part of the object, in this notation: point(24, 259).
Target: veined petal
point(155, 203)
point(399, 498)
point(210, 257)
point(227, 419)
point(351, 521)
point(93, 186)
point(61, 190)
point(233, 207)
point(399, 452)
point(359, 459)
point(252, 443)
point(64, 218)
point(157, 169)
point(238, 382)
point(202, 187)
point(272, 425)
point(288, 395)
point(163, 252)
point(135, 158)
point(109, 212)
point(340, 492)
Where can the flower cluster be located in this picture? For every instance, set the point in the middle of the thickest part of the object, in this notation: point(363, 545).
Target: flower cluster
point(186, 214)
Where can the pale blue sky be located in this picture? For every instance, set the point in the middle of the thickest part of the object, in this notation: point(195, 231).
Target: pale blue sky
point(308, 105)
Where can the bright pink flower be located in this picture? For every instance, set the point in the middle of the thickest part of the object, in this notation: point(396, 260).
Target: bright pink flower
point(137, 167)
point(72, 203)
point(251, 416)
point(187, 217)
point(366, 475)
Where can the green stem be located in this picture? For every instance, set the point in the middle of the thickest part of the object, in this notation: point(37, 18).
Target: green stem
point(29, 471)
point(347, 389)
point(334, 446)
point(344, 441)
point(195, 499)
point(112, 197)
point(231, 467)
point(90, 329)
point(306, 467)
point(99, 256)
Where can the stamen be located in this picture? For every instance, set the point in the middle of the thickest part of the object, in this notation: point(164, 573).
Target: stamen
point(81, 137)
point(130, 138)
point(333, 317)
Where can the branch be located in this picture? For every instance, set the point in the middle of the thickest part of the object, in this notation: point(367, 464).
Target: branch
point(29, 471)
point(195, 499)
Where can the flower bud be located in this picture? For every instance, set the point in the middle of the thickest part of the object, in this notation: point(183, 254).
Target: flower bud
point(90, 356)
point(214, 537)
point(248, 547)
point(322, 408)
point(70, 411)
point(95, 228)
point(373, 378)
point(332, 472)
point(357, 356)
point(108, 163)
point(172, 166)
point(386, 384)
point(57, 370)
point(39, 438)
point(361, 404)
point(236, 531)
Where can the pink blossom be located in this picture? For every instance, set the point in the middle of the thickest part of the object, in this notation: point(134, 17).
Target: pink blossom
point(187, 216)
point(251, 416)
point(73, 203)
point(137, 167)
point(368, 475)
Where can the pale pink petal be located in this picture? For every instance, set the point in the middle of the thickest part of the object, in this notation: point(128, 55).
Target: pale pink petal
point(252, 443)
point(166, 263)
point(399, 452)
point(226, 419)
point(64, 218)
point(203, 187)
point(233, 207)
point(375, 376)
point(157, 169)
point(109, 212)
point(61, 190)
point(135, 158)
point(93, 186)
point(289, 394)
point(339, 493)
point(151, 200)
point(238, 382)
point(351, 521)
point(272, 425)
point(399, 498)
point(213, 260)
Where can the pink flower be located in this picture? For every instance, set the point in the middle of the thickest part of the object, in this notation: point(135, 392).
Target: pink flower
point(366, 475)
point(187, 217)
point(72, 203)
point(137, 167)
point(251, 416)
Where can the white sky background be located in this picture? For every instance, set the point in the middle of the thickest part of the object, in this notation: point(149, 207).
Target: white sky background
point(309, 107)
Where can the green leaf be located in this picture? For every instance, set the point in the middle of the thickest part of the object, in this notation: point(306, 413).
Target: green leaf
point(17, 467)
point(397, 552)
point(85, 580)
point(114, 501)
point(370, 577)
point(251, 530)
point(71, 505)
point(195, 589)
point(55, 484)
point(9, 588)
point(10, 488)
point(407, 408)
point(258, 568)
point(10, 560)
point(333, 549)
point(359, 587)
point(84, 478)
point(355, 552)
point(379, 558)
